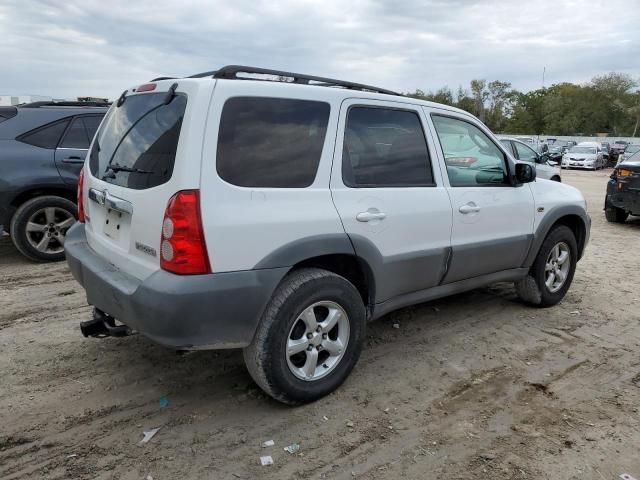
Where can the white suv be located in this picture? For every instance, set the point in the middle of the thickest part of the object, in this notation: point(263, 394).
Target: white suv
point(280, 216)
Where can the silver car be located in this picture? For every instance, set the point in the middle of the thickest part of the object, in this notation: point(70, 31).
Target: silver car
point(587, 157)
point(545, 168)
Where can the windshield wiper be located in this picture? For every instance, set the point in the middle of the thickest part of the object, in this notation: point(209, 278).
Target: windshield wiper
point(115, 168)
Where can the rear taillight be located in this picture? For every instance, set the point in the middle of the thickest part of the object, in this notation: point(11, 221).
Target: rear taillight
point(80, 198)
point(182, 247)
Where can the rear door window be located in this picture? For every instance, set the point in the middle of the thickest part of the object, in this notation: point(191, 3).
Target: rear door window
point(385, 147)
point(137, 143)
point(271, 142)
point(47, 136)
point(76, 135)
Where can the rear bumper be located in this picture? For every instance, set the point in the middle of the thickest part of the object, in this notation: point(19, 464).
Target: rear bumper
point(219, 310)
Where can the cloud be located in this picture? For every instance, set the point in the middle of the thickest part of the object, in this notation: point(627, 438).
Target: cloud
point(88, 47)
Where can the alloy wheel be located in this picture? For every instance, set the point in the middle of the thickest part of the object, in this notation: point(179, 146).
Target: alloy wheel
point(557, 267)
point(317, 340)
point(47, 227)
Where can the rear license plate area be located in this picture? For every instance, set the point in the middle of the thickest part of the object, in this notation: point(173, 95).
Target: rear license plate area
point(113, 223)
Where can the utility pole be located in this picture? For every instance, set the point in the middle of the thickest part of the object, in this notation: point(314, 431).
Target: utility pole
point(544, 70)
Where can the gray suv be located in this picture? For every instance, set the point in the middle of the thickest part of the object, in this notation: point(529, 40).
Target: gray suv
point(42, 148)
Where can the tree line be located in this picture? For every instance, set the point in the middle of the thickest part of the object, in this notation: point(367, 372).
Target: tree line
point(607, 104)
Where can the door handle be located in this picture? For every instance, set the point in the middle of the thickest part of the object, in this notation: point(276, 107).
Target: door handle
point(73, 160)
point(370, 215)
point(470, 207)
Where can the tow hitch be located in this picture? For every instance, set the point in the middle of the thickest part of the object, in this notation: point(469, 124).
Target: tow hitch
point(103, 325)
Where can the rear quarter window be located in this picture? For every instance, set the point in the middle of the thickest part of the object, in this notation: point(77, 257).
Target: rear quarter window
point(47, 136)
point(271, 142)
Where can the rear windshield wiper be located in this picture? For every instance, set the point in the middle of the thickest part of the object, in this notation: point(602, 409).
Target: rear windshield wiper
point(115, 168)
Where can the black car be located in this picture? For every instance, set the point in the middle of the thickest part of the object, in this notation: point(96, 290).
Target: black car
point(42, 149)
point(558, 149)
point(618, 147)
point(623, 190)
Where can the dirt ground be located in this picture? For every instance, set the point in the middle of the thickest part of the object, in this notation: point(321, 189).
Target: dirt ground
point(476, 386)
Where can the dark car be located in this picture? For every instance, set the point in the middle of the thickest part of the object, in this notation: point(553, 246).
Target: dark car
point(42, 149)
point(623, 190)
point(618, 147)
point(558, 149)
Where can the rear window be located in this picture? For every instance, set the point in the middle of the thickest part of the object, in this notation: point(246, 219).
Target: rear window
point(136, 144)
point(271, 142)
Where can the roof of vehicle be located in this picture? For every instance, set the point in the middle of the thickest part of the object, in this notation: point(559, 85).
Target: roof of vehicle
point(517, 140)
point(63, 103)
point(30, 116)
point(588, 144)
point(277, 79)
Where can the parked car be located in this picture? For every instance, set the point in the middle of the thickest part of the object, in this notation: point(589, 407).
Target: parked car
point(606, 148)
point(545, 167)
point(623, 190)
point(618, 147)
point(279, 217)
point(558, 149)
point(631, 149)
point(42, 148)
point(584, 155)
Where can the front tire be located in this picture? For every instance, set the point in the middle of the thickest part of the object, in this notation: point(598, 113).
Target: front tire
point(309, 338)
point(552, 271)
point(39, 226)
point(615, 214)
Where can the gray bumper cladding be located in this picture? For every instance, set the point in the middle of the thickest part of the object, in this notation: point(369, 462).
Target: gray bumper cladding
point(218, 310)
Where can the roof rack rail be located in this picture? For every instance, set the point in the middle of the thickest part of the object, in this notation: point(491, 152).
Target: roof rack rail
point(64, 104)
point(231, 72)
point(157, 79)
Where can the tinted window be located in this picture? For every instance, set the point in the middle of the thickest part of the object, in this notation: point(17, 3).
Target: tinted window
point(47, 136)
point(142, 134)
point(384, 148)
point(271, 142)
point(91, 124)
point(76, 135)
point(525, 153)
point(471, 157)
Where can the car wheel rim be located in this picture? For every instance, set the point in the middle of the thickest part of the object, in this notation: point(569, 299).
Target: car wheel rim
point(46, 229)
point(557, 267)
point(317, 340)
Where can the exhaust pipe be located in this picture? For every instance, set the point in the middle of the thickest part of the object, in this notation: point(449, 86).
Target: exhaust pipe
point(102, 326)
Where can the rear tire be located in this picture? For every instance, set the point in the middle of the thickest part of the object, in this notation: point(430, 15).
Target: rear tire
point(615, 214)
point(39, 226)
point(542, 287)
point(280, 373)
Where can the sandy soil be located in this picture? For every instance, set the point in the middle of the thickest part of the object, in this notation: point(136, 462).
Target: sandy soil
point(471, 387)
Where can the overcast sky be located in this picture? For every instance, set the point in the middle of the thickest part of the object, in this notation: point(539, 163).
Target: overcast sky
point(99, 48)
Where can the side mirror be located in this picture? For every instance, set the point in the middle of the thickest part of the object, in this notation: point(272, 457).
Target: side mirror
point(544, 158)
point(525, 173)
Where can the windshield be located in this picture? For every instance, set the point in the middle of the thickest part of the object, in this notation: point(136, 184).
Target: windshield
point(137, 142)
point(632, 148)
point(633, 158)
point(590, 150)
